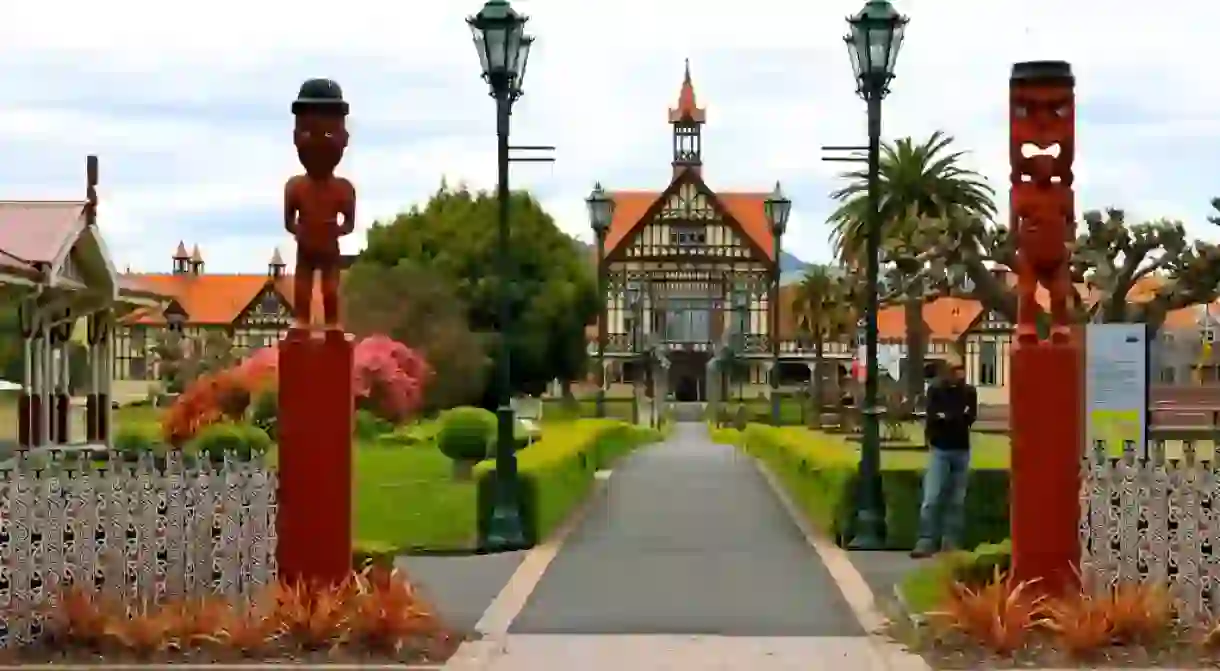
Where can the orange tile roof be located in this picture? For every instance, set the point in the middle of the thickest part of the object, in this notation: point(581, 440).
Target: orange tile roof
point(209, 299)
point(746, 208)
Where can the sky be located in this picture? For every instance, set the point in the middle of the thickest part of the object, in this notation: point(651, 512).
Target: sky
point(187, 105)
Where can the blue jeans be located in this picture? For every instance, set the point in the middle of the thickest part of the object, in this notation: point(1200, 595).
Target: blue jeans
point(943, 511)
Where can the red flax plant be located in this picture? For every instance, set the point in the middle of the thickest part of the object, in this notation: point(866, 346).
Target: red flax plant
point(388, 612)
point(998, 615)
point(80, 618)
point(248, 630)
point(313, 617)
point(1142, 613)
point(1082, 624)
point(147, 631)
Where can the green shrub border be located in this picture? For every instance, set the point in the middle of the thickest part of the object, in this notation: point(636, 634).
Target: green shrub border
point(557, 472)
point(823, 482)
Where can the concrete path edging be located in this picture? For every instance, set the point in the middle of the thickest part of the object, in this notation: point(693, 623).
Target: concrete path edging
point(508, 603)
point(859, 596)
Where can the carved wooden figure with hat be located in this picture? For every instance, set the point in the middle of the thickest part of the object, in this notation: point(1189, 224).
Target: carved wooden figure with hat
point(319, 207)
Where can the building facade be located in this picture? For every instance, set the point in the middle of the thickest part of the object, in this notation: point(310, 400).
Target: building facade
point(252, 310)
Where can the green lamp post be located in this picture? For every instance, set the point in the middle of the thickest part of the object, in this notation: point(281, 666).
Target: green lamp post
point(601, 211)
point(776, 207)
point(503, 46)
point(873, 42)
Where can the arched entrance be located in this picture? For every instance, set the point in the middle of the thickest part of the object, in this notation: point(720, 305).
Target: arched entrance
point(687, 376)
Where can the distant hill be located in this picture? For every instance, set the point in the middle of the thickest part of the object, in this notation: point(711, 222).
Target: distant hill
point(789, 263)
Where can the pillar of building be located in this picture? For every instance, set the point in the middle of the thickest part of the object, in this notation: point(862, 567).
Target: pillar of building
point(92, 408)
point(25, 410)
point(105, 402)
point(47, 382)
point(61, 338)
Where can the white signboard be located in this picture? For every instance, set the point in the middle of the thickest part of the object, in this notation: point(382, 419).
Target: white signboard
point(1116, 384)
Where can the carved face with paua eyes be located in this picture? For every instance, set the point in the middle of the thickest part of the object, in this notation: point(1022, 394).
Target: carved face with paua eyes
point(320, 138)
point(1042, 144)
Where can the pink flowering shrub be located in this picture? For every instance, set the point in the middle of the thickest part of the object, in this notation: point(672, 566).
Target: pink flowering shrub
point(261, 369)
point(389, 378)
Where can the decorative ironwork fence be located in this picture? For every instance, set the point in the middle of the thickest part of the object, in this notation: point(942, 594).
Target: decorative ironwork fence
point(139, 532)
point(1153, 518)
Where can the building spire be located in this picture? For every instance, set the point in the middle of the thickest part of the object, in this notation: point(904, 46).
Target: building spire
point(688, 109)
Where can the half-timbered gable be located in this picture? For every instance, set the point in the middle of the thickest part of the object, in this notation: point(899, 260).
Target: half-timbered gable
point(690, 270)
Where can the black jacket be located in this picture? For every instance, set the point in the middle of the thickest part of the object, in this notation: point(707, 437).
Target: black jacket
point(952, 409)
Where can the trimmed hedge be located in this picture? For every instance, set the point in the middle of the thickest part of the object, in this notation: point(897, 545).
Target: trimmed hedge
point(819, 470)
point(557, 472)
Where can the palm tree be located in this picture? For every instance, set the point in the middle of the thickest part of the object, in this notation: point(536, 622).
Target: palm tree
point(823, 312)
point(918, 183)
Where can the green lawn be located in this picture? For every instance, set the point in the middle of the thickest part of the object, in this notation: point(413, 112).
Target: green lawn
point(406, 497)
point(987, 450)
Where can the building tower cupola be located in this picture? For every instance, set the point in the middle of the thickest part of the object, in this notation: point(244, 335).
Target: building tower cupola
point(196, 261)
point(182, 260)
point(687, 120)
point(275, 269)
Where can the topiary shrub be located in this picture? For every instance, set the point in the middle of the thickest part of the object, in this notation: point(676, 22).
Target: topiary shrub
point(265, 412)
point(137, 438)
point(368, 426)
point(244, 441)
point(465, 436)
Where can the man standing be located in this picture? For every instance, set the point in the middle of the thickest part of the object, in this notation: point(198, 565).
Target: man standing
point(952, 406)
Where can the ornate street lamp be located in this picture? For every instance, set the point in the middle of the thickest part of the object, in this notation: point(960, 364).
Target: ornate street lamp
point(601, 211)
point(776, 207)
point(503, 46)
point(873, 42)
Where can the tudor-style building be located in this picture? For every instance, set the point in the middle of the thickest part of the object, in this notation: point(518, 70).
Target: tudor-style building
point(689, 268)
point(253, 309)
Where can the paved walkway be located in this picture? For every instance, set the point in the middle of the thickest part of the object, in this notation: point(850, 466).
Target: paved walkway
point(687, 538)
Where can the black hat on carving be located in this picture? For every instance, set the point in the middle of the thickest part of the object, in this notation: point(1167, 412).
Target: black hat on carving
point(320, 95)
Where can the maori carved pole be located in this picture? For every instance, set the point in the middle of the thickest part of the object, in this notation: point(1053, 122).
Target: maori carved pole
point(313, 524)
point(1047, 390)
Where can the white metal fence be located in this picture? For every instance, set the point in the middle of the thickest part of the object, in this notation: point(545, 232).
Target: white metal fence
point(139, 531)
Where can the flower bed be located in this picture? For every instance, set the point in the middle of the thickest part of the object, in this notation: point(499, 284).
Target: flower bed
point(971, 615)
point(376, 616)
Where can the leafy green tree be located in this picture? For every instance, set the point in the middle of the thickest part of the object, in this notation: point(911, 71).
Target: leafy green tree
point(421, 310)
point(918, 182)
point(823, 312)
point(551, 288)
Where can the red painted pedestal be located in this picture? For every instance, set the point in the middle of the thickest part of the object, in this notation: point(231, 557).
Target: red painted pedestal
point(314, 519)
point(1046, 412)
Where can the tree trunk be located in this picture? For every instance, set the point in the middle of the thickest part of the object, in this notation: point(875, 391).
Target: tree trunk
point(916, 348)
point(566, 391)
point(816, 384)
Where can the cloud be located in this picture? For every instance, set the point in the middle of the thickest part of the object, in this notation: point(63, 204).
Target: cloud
point(187, 105)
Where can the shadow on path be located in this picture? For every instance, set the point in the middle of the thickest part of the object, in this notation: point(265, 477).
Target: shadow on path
point(687, 538)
